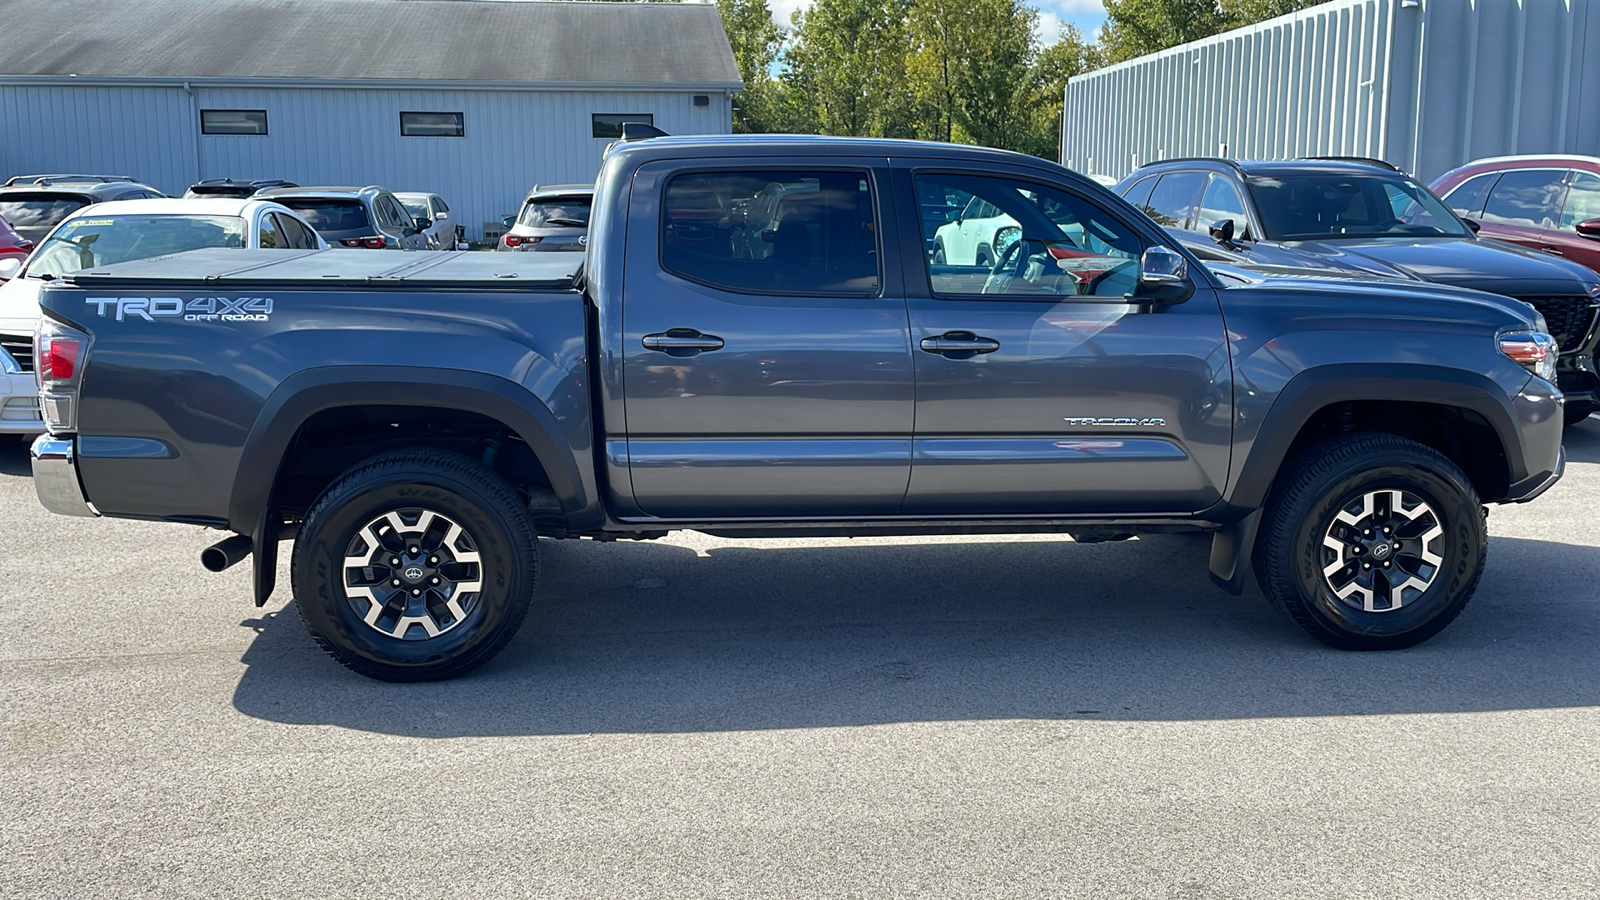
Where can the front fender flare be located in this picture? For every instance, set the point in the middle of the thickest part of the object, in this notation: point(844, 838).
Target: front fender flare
point(1315, 389)
point(311, 391)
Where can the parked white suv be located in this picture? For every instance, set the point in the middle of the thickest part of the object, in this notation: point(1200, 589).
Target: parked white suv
point(106, 233)
point(971, 239)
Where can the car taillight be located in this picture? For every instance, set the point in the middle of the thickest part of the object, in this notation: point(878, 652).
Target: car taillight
point(371, 243)
point(513, 240)
point(59, 357)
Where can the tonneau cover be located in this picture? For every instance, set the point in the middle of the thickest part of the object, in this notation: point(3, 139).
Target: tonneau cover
point(425, 270)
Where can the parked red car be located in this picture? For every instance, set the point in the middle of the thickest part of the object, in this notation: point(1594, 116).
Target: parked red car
point(1549, 203)
point(12, 246)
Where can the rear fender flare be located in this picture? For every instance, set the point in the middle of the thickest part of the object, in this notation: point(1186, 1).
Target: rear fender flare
point(311, 391)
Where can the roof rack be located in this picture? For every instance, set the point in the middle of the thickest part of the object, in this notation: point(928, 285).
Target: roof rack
point(1365, 160)
point(15, 180)
point(1221, 161)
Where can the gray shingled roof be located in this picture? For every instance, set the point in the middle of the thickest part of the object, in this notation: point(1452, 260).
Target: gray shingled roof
point(400, 40)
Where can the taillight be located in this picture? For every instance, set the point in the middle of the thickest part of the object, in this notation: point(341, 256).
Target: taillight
point(515, 240)
point(60, 361)
point(371, 243)
point(59, 355)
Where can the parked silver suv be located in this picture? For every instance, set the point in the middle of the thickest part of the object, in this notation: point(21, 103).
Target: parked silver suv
point(553, 217)
point(369, 217)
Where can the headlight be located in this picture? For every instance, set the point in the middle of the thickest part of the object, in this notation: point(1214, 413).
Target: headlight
point(1533, 350)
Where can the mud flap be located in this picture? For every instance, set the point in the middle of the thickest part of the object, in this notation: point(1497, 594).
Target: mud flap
point(1231, 549)
point(264, 554)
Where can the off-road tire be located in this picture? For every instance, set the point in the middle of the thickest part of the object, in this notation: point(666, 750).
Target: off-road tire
point(457, 489)
point(1331, 476)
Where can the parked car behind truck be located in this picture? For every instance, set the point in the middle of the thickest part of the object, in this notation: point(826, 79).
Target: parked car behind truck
point(415, 428)
point(1545, 203)
point(1364, 217)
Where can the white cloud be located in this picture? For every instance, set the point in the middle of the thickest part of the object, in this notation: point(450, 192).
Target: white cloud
point(782, 9)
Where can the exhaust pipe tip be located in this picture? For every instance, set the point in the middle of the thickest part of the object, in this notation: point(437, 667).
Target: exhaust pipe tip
point(225, 553)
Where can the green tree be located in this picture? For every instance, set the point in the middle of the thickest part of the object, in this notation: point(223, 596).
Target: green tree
point(994, 84)
point(1069, 56)
point(756, 42)
point(844, 71)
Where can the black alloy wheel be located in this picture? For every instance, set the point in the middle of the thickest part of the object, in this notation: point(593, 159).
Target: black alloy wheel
point(1372, 542)
point(415, 565)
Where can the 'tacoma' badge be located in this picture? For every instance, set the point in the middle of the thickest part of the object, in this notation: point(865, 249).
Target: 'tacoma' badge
point(1116, 420)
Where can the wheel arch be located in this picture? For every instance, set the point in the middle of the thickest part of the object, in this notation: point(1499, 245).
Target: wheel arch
point(1399, 398)
point(302, 396)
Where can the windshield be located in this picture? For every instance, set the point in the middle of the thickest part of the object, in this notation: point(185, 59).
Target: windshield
point(1318, 206)
point(417, 209)
point(559, 211)
point(33, 215)
point(103, 240)
point(330, 215)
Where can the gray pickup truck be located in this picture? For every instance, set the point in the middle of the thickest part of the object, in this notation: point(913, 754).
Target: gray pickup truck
point(761, 343)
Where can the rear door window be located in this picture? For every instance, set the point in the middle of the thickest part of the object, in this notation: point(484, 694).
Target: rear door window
point(1583, 200)
point(1468, 196)
point(1529, 198)
point(1139, 193)
point(1172, 203)
point(270, 238)
point(812, 233)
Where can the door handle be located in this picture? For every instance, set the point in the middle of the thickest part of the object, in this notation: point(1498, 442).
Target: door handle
point(959, 344)
point(681, 342)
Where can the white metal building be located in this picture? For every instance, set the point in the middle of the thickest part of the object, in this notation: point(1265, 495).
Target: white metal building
point(1424, 84)
point(474, 100)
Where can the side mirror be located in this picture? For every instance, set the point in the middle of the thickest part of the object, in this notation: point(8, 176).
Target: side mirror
point(1163, 277)
point(1589, 228)
point(1474, 224)
point(440, 217)
point(422, 224)
point(1222, 232)
point(9, 267)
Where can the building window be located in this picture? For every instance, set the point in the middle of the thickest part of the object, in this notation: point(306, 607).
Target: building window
point(609, 125)
point(433, 124)
point(233, 121)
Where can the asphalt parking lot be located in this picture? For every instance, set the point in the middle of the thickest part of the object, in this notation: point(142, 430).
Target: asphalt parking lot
point(870, 718)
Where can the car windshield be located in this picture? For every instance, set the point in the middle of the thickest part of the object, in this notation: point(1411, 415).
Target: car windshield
point(417, 209)
point(558, 211)
point(1321, 205)
point(103, 240)
point(33, 215)
point(329, 215)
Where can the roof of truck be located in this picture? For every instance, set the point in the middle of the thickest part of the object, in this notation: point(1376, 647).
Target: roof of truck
point(217, 267)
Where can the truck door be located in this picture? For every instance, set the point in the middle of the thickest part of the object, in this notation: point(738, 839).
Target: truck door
point(767, 362)
point(1040, 388)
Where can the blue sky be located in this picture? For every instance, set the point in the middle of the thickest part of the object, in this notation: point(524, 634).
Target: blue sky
point(1088, 15)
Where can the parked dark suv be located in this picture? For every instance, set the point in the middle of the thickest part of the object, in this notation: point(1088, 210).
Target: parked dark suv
point(1367, 218)
point(34, 204)
point(369, 217)
point(1549, 203)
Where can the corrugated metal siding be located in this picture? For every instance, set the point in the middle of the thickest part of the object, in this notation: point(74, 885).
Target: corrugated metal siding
point(1427, 87)
point(514, 139)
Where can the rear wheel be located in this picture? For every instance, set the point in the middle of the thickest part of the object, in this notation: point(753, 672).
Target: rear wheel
point(415, 565)
point(1373, 542)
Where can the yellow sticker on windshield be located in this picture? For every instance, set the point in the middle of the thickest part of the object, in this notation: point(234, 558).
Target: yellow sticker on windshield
point(98, 223)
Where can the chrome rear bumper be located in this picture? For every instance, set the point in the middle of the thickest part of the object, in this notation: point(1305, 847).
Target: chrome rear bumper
point(55, 477)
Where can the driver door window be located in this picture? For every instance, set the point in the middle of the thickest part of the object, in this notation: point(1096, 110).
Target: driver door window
point(1018, 238)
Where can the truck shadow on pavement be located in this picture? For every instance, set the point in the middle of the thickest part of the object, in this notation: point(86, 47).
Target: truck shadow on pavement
point(14, 461)
point(650, 638)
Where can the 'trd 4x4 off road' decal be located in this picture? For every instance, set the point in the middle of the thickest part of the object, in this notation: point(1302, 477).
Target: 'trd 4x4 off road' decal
point(199, 309)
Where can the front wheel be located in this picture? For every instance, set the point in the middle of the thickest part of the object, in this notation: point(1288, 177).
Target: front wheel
point(416, 565)
point(1372, 542)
